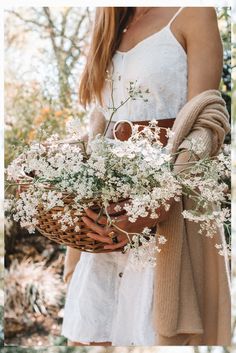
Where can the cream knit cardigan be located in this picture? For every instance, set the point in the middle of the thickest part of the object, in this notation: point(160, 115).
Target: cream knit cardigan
point(192, 281)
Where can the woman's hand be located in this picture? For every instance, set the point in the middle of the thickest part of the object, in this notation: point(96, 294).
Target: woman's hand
point(120, 226)
point(100, 230)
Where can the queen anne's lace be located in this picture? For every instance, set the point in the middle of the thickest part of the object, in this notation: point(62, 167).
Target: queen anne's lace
point(139, 169)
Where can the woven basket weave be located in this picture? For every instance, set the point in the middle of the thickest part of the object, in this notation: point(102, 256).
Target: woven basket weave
point(51, 228)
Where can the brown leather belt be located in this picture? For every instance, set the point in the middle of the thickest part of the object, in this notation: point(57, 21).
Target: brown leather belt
point(123, 129)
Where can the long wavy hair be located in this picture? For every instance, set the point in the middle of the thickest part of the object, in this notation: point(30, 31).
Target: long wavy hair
point(107, 31)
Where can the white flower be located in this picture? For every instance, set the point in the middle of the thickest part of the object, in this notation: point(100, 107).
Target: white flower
point(139, 170)
point(197, 145)
point(73, 128)
point(118, 208)
point(162, 239)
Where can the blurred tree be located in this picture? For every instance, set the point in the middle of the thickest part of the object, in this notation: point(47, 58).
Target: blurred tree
point(33, 103)
point(224, 20)
point(224, 17)
point(67, 30)
point(234, 71)
point(1, 326)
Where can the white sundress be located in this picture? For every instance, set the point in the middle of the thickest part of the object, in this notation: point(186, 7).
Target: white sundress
point(107, 300)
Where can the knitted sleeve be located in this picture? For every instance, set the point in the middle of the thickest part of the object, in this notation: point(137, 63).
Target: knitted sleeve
point(204, 117)
point(205, 120)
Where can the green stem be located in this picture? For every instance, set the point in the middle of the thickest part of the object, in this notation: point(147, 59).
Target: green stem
point(112, 114)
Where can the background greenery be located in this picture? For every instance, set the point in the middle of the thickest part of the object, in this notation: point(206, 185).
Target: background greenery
point(44, 55)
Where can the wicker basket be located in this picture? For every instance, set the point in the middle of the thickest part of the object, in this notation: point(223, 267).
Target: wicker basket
point(50, 227)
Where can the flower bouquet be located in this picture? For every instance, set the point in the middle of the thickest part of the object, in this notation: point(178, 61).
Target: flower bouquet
point(60, 179)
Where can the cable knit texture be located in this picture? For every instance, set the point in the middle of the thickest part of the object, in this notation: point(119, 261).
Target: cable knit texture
point(192, 291)
point(192, 281)
point(207, 115)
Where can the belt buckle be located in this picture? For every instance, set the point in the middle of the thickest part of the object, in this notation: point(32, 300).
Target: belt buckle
point(122, 134)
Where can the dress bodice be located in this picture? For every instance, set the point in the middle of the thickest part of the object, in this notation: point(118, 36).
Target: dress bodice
point(157, 63)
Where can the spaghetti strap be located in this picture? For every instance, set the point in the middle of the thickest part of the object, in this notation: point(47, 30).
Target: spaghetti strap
point(175, 15)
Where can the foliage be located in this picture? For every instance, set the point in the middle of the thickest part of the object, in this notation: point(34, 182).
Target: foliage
point(47, 97)
point(1, 325)
point(31, 291)
point(234, 71)
point(30, 115)
point(224, 18)
point(64, 35)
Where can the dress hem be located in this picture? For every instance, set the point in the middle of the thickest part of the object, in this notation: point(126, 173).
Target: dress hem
point(86, 340)
point(100, 340)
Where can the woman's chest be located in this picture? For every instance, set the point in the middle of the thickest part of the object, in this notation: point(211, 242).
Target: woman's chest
point(150, 60)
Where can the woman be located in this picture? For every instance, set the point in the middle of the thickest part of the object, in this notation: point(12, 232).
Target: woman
point(177, 54)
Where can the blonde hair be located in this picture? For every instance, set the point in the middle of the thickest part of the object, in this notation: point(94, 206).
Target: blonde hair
point(107, 31)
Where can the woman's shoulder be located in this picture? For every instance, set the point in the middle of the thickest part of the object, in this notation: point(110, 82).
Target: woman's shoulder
point(199, 12)
point(199, 22)
point(195, 17)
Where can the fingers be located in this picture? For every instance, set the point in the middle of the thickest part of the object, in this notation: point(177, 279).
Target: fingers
point(122, 222)
point(116, 246)
point(94, 216)
point(103, 239)
point(99, 233)
point(95, 227)
point(103, 219)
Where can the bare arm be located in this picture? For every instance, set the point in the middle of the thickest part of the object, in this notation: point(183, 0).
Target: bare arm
point(205, 63)
point(204, 49)
point(205, 58)
point(97, 123)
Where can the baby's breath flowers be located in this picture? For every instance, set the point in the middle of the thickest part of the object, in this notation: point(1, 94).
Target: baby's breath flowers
point(140, 170)
point(145, 255)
